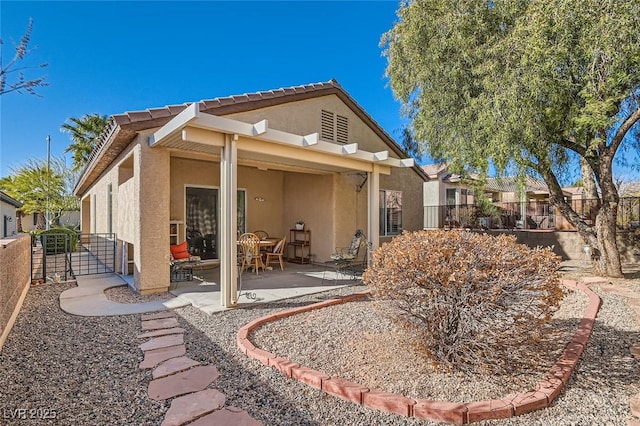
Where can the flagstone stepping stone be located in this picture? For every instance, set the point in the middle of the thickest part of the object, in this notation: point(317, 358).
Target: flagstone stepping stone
point(635, 350)
point(163, 342)
point(160, 323)
point(635, 405)
point(631, 422)
point(158, 315)
point(593, 280)
point(192, 380)
point(161, 332)
point(189, 407)
point(174, 365)
point(156, 356)
point(227, 417)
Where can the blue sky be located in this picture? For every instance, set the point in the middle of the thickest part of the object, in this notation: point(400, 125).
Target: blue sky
point(112, 57)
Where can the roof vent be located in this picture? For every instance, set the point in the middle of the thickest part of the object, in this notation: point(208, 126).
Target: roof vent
point(334, 127)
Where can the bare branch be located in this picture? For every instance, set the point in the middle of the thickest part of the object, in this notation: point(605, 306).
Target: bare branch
point(21, 83)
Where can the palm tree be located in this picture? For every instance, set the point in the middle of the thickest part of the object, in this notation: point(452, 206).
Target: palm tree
point(85, 132)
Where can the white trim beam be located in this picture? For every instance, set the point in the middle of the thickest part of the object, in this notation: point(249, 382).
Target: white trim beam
point(260, 127)
point(349, 149)
point(192, 117)
point(189, 114)
point(311, 139)
point(201, 136)
point(381, 155)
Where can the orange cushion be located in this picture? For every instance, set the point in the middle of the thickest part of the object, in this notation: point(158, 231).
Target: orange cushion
point(179, 251)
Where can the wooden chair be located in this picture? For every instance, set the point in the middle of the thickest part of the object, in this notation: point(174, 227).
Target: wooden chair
point(277, 253)
point(250, 247)
point(263, 235)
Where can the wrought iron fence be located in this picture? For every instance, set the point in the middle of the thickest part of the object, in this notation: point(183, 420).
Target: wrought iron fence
point(526, 215)
point(63, 256)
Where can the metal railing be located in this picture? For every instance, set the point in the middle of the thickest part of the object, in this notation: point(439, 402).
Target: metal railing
point(526, 215)
point(57, 257)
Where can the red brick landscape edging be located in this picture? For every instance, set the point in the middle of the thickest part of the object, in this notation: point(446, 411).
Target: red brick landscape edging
point(545, 392)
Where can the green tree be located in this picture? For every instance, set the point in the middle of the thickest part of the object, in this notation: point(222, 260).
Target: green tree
point(85, 132)
point(526, 86)
point(41, 188)
point(19, 83)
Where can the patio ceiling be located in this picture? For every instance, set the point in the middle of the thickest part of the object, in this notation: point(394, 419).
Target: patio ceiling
point(193, 131)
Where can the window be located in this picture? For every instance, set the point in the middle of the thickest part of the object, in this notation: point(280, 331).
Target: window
point(35, 219)
point(451, 197)
point(109, 208)
point(93, 215)
point(464, 200)
point(390, 212)
point(334, 127)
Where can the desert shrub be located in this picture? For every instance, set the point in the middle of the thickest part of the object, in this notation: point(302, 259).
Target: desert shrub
point(474, 302)
point(55, 240)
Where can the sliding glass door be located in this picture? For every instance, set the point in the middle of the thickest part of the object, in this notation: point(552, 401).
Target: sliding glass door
point(202, 209)
point(202, 221)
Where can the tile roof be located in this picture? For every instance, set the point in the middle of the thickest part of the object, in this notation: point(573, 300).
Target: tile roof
point(510, 184)
point(123, 127)
point(9, 200)
point(432, 170)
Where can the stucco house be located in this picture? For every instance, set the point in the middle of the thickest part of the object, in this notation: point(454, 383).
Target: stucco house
point(210, 170)
point(449, 201)
point(443, 195)
point(8, 208)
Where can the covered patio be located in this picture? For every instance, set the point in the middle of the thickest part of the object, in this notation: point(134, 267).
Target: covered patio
point(302, 175)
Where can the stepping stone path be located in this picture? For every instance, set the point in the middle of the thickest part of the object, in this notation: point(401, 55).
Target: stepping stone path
point(633, 299)
point(177, 376)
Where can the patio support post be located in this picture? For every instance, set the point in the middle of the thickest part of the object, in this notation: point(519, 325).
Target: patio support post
point(523, 211)
point(373, 189)
point(228, 222)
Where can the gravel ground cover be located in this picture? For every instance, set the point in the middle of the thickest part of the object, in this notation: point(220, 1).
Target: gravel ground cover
point(62, 369)
point(86, 368)
point(124, 294)
point(365, 349)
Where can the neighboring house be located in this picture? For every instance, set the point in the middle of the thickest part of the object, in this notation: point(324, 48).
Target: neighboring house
point(449, 202)
point(69, 219)
point(208, 171)
point(443, 195)
point(8, 208)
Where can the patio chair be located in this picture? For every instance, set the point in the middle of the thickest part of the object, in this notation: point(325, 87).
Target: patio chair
point(351, 260)
point(250, 248)
point(276, 254)
point(182, 263)
point(263, 235)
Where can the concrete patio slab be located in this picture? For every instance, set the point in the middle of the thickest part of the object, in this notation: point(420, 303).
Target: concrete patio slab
point(269, 286)
point(88, 298)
